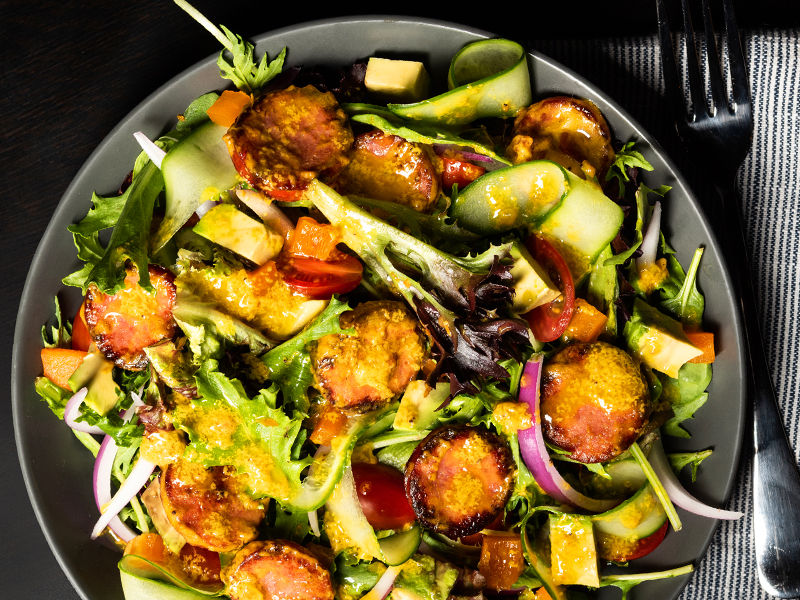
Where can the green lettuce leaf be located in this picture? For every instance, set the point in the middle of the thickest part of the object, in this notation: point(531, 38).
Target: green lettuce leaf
point(290, 363)
point(60, 334)
point(354, 577)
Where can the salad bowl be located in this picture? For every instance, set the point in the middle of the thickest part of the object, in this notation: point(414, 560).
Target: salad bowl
point(58, 470)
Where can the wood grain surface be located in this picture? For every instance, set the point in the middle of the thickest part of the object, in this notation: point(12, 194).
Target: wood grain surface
point(71, 70)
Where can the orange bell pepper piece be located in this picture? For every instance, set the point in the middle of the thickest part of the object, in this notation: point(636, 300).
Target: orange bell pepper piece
point(329, 424)
point(703, 340)
point(312, 239)
point(502, 561)
point(60, 363)
point(228, 107)
point(587, 322)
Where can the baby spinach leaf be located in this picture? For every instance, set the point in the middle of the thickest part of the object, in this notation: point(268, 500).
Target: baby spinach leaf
point(688, 304)
point(197, 112)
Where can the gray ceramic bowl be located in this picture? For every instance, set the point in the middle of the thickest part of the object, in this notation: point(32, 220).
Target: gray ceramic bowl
point(58, 470)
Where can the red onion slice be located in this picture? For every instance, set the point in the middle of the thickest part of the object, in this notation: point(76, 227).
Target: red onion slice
point(460, 153)
point(679, 496)
point(534, 451)
point(102, 486)
point(265, 208)
point(72, 412)
point(384, 585)
point(136, 480)
point(205, 207)
point(650, 240)
point(155, 153)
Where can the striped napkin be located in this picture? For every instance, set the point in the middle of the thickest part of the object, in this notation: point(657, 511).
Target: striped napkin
point(629, 70)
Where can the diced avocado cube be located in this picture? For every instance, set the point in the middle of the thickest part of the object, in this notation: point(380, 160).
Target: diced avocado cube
point(532, 286)
point(231, 228)
point(573, 555)
point(397, 80)
point(658, 340)
point(417, 411)
point(95, 373)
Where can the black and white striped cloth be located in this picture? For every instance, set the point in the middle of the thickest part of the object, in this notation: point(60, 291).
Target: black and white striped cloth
point(629, 70)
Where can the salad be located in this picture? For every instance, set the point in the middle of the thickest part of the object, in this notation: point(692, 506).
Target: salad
point(348, 339)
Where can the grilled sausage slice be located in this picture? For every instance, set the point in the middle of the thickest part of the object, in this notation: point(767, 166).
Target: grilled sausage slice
point(287, 138)
point(595, 401)
point(209, 507)
point(387, 167)
point(367, 370)
point(565, 130)
point(276, 570)
point(124, 324)
point(459, 479)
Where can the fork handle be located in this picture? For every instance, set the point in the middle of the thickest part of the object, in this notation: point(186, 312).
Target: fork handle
point(776, 482)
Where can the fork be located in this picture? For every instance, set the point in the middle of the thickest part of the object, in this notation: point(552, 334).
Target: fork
point(720, 134)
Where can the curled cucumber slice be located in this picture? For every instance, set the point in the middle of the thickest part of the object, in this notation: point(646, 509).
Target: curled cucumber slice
point(487, 79)
point(143, 579)
point(398, 548)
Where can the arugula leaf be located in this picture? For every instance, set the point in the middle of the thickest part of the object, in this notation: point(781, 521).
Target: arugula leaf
point(688, 304)
point(626, 157)
point(61, 334)
point(679, 460)
point(425, 133)
point(628, 581)
point(290, 363)
point(241, 69)
point(642, 212)
point(685, 394)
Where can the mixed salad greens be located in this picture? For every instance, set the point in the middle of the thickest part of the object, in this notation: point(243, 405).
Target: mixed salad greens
point(350, 340)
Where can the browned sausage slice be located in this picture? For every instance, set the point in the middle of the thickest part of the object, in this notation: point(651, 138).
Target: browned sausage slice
point(387, 167)
point(565, 130)
point(287, 138)
point(208, 506)
point(365, 371)
point(459, 479)
point(276, 570)
point(124, 324)
point(595, 402)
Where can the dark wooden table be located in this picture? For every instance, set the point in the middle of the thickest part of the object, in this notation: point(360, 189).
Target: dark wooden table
point(72, 70)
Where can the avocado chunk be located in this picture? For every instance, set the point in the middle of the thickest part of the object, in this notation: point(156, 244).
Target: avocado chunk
point(417, 411)
point(231, 228)
point(95, 374)
point(573, 555)
point(658, 340)
point(397, 80)
point(532, 286)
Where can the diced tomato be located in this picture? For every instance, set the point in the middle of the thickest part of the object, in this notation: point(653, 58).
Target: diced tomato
point(549, 321)
point(81, 340)
point(459, 172)
point(321, 279)
point(382, 495)
point(313, 240)
point(641, 548)
point(502, 561)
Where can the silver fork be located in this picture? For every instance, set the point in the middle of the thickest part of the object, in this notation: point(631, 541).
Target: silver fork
point(720, 136)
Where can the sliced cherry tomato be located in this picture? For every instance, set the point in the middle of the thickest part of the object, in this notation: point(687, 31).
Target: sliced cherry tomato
point(549, 321)
point(286, 195)
point(460, 172)
point(81, 340)
point(641, 548)
point(320, 279)
point(477, 538)
point(382, 495)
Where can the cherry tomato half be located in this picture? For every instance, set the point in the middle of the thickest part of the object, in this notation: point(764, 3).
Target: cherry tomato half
point(641, 548)
point(549, 321)
point(320, 279)
point(382, 495)
point(460, 172)
point(81, 340)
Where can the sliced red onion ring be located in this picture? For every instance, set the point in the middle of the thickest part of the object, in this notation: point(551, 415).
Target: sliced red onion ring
point(72, 412)
point(155, 153)
point(102, 486)
point(460, 152)
point(534, 451)
point(650, 240)
point(136, 480)
point(205, 207)
point(679, 496)
point(384, 585)
point(265, 208)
